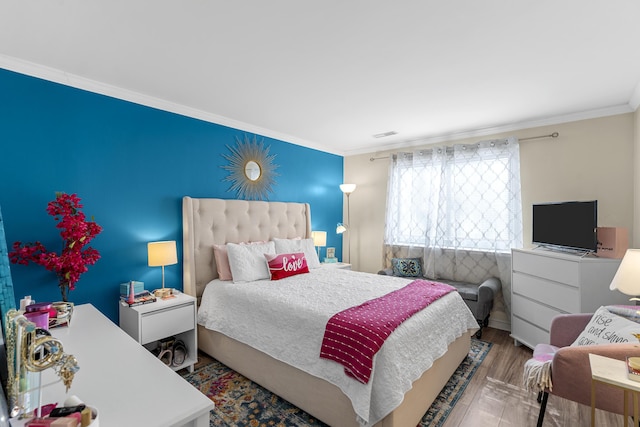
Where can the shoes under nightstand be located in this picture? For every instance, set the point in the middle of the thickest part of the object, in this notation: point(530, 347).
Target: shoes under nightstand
point(151, 324)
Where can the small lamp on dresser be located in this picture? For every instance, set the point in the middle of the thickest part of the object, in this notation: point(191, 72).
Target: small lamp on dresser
point(161, 254)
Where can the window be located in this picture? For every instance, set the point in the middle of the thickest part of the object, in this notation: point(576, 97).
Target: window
point(462, 197)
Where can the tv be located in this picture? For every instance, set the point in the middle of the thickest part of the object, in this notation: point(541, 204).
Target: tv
point(566, 225)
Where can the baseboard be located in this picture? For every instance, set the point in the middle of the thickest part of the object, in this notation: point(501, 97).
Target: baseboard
point(499, 324)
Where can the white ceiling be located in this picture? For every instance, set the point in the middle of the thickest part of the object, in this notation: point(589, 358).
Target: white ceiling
point(330, 74)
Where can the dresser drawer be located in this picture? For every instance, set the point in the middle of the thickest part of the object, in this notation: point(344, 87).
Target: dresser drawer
point(527, 333)
point(163, 323)
point(537, 314)
point(562, 297)
point(550, 268)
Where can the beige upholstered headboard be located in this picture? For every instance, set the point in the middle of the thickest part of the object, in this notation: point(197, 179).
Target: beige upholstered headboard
point(208, 222)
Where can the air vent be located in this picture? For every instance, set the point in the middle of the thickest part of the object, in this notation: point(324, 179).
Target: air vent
point(385, 134)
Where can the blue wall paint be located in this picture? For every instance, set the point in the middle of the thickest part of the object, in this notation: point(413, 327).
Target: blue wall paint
point(131, 165)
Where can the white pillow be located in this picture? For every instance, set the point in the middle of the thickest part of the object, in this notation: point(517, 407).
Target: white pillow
point(247, 262)
point(287, 246)
point(607, 328)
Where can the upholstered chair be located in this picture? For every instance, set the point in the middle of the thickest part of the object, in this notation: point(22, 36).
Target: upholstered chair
point(478, 296)
point(570, 368)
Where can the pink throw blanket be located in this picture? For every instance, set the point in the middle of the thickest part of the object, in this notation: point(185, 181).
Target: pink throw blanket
point(353, 336)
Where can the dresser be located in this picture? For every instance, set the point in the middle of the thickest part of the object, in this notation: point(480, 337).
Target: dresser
point(125, 382)
point(546, 283)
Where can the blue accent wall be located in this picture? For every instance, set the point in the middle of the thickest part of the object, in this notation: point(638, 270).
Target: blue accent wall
point(131, 165)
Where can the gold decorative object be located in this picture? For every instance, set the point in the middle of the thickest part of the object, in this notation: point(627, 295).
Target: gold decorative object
point(252, 172)
point(32, 350)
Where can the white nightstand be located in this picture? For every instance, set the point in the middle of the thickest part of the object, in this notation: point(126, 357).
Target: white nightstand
point(151, 322)
point(342, 265)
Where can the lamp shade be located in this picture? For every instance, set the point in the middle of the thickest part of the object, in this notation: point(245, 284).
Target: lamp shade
point(341, 228)
point(162, 253)
point(347, 188)
point(319, 238)
point(627, 278)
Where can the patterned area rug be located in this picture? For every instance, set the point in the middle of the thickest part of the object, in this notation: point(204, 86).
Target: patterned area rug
point(240, 402)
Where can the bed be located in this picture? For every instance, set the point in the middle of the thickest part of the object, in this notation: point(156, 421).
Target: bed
point(313, 387)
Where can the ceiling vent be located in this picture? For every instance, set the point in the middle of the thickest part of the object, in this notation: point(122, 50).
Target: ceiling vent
point(385, 134)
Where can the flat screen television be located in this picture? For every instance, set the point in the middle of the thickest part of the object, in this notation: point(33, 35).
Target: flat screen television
point(567, 225)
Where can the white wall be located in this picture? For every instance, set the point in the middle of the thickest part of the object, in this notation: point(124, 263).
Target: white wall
point(590, 160)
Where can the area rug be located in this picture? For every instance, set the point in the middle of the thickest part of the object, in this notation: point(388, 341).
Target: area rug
point(241, 402)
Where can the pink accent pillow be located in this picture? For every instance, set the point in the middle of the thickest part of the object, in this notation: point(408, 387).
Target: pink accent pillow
point(222, 262)
point(286, 265)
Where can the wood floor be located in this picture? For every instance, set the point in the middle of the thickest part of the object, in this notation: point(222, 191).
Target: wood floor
point(495, 396)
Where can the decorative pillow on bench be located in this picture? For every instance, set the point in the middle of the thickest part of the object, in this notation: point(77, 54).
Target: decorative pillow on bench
point(407, 267)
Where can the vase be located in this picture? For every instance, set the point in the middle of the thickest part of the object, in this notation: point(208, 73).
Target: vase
point(64, 289)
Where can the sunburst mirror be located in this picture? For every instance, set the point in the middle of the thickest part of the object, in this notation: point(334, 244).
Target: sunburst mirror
point(251, 169)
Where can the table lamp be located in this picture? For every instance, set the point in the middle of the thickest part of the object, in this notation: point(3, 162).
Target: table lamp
point(161, 254)
point(627, 278)
point(319, 240)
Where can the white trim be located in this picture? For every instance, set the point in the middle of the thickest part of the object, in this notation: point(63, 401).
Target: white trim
point(634, 102)
point(72, 80)
point(565, 118)
point(78, 82)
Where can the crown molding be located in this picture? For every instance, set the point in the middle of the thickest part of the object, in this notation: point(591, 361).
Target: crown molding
point(58, 76)
point(78, 82)
point(474, 133)
point(634, 102)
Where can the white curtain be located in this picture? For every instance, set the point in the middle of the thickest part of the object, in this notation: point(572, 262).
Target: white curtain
point(458, 208)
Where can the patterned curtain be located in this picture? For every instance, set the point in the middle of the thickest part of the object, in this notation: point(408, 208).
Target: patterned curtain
point(458, 208)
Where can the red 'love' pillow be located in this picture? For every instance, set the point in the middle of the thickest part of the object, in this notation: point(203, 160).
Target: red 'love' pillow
point(286, 265)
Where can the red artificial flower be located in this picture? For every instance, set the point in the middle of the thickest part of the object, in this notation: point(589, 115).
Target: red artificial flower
point(76, 233)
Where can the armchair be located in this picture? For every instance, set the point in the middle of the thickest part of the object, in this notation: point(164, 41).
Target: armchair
point(478, 296)
point(570, 369)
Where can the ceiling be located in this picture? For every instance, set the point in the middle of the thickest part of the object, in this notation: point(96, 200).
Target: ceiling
point(329, 75)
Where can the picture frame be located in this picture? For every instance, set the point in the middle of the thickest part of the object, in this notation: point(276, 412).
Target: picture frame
point(331, 252)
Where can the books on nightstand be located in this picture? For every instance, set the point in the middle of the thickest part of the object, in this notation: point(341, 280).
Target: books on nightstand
point(144, 297)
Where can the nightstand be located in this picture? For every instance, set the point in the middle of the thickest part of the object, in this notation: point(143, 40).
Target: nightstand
point(342, 265)
point(151, 322)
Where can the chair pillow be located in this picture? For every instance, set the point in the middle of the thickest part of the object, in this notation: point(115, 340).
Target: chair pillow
point(607, 328)
point(407, 267)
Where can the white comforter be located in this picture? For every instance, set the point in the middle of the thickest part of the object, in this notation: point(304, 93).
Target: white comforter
point(286, 319)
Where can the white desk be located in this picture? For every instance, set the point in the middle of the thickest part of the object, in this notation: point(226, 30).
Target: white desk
point(124, 381)
point(613, 372)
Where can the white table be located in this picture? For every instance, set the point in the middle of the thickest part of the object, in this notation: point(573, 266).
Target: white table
point(124, 381)
point(613, 372)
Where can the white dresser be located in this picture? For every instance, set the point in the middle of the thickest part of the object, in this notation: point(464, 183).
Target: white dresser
point(125, 382)
point(546, 283)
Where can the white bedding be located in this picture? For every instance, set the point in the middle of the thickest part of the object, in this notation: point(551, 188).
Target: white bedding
point(286, 320)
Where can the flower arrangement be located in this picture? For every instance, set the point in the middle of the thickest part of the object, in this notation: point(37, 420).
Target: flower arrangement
point(76, 233)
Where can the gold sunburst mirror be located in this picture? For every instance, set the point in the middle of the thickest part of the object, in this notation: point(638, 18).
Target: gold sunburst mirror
point(251, 169)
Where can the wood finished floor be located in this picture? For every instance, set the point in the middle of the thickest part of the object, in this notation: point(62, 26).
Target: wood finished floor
point(495, 396)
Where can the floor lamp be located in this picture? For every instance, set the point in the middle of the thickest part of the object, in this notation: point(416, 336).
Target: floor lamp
point(343, 227)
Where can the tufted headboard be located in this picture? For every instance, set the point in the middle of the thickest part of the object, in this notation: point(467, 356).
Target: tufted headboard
point(208, 222)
